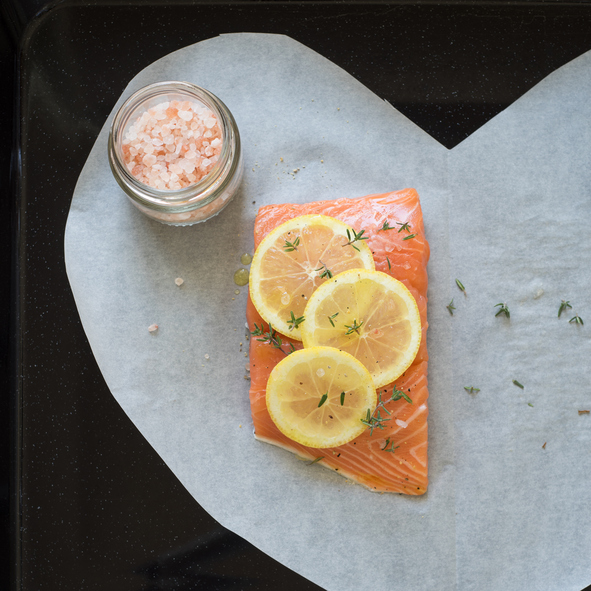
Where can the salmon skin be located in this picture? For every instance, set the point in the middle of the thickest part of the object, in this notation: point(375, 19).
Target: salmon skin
point(393, 459)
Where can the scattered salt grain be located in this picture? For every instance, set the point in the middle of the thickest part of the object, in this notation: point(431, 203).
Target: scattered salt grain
point(153, 327)
point(206, 356)
point(179, 281)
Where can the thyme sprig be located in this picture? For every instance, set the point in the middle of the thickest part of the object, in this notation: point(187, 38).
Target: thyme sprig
point(326, 273)
point(356, 236)
point(450, 307)
point(374, 420)
point(504, 309)
point(576, 319)
point(315, 460)
point(331, 318)
point(409, 237)
point(294, 322)
point(398, 394)
point(291, 246)
point(403, 226)
point(386, 226)
point(271, 337)
point(391, 448)
point(354, 327)
point(564, 305)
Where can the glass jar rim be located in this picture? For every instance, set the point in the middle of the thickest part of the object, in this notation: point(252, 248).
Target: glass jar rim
point(195, 193)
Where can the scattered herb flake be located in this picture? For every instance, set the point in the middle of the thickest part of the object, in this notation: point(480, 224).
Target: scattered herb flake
point(576, 319)
point(326, 273)
point(291, 246)
point(544, 446)
point(391, 448)
point(460, 285)
point(504, 309)
point(518, 384)
point(389, 265)
point(409, 237)
point(271, 337)
point(323, 399)
point(331, 318)
point(564, 305)
point(354, 327)
point(356, 236)
point(386, 226)
point(342, 398)
point(584, 412)
point(450, 307)
point(315, 460)
point(294, 322)
point(398, 394)
point(471, 389)
point(530, 404)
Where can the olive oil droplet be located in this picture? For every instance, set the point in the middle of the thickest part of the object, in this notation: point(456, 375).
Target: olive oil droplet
point(241, 277)
point(246, 259)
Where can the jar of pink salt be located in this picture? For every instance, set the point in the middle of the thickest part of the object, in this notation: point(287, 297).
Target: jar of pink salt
point(174, 148)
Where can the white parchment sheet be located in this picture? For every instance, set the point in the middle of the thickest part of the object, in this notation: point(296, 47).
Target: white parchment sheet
point(508, 212)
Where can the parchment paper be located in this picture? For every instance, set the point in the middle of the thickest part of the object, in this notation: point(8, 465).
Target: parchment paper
point(507, 212)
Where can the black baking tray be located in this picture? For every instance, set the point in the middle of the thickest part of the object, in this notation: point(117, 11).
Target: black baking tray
point(86, 503)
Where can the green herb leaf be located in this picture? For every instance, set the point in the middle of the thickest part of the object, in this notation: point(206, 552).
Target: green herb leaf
point(576, 319)
point(356, 236)
point(323, 399)
point(459, 284)
point(504, 309)
point(564, 305)
point(354, 327)
point(326, 273)
point(342, 398)
point(294, 322)
point(409, 237)
point(271, 337)
point(530, 404)
point(518, 384)
point(315, 460)
point(450, 307)
point(331, 318)
point(391, 448)
point(471, 389)
point(389, 265)
point(398, 394)
point(291, 246)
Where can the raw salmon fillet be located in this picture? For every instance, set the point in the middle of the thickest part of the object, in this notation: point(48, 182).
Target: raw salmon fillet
point(363, 460)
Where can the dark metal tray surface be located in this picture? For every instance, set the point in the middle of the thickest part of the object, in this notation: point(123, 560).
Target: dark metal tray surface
point(93, 506)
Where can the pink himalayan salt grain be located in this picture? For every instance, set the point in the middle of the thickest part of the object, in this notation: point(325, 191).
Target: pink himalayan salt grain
point(172, 145)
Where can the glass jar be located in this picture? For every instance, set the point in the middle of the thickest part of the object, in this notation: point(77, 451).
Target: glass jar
point(214, 184)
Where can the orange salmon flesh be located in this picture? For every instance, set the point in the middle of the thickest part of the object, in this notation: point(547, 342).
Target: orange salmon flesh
point(363, 460)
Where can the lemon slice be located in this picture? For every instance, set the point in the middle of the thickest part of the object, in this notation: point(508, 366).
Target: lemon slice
point(319, 396)
point(294, 259)
point(370, 315)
